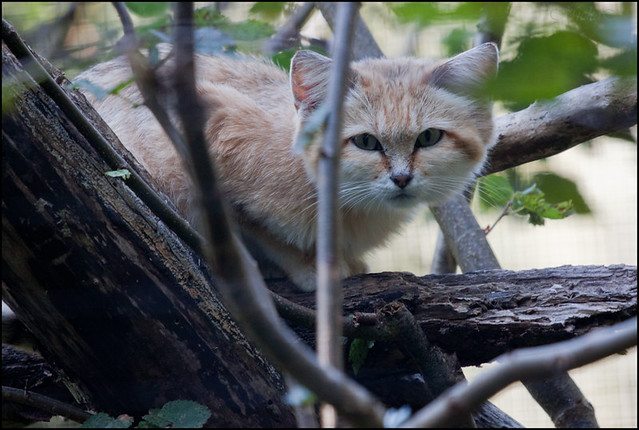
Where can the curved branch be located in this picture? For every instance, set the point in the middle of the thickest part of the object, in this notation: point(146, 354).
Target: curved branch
point(531, 363)
point(547, 128)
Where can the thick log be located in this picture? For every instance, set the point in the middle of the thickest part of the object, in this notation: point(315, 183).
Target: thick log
point(480, 315)
point(110, 294)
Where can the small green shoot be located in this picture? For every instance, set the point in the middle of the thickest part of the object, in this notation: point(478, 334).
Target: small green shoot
point(174, 414)
point(530, 202)
point(122, 173)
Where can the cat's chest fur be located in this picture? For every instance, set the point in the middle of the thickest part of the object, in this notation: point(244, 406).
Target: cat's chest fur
point(411, 135)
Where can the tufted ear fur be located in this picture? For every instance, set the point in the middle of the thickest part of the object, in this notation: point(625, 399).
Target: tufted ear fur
point(469, 71)
point(309, 76)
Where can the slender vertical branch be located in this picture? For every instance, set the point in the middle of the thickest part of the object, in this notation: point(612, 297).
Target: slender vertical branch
point(464, 236)
point(329, 291)
point(239, 279)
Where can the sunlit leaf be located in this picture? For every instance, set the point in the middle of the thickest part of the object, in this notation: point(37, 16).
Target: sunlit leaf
point(546, 67)
point(147, 9)
point(558, 189)
point(122, 173)
point(267, 10)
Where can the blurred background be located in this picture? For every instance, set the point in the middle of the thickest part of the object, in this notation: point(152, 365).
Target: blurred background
point(546, 49)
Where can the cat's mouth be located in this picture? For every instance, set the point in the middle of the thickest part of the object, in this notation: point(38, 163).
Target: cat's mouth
point(402, 198)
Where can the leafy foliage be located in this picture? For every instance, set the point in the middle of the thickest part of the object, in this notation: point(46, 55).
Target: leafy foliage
point(102, 420)
point(531, 202)
point(549, 57)
point(175, 414)
point(546, 67)
point(147, 9)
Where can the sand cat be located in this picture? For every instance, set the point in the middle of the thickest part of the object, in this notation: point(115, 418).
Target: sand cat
point(415, 131)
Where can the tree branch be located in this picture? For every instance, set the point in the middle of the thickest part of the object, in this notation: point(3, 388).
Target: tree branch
point(526, 364)
point(239, 279)
point(40, 401)
point(363, 45)
point(288, 34)
point(329, 288)
point(547, 128)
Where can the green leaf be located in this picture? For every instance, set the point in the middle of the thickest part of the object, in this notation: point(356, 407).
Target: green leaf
point(531, 202)
point(358, 352)
point(250, 30)
point(545, 67)
point(147, 9)
point(122, 173)
point(179, 414)
point(102, 420)
point(283, 58)
point(426, 13)
point(270, 10)
point(558, 189)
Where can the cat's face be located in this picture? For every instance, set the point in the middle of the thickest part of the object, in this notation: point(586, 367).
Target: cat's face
point(413, 131)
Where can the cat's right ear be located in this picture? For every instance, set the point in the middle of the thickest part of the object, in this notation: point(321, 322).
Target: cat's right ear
point(309, 80)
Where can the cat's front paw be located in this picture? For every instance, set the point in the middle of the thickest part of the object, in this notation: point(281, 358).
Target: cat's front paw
point(306, 281)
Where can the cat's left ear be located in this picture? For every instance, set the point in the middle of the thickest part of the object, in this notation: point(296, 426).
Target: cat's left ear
point(468, 72)
point(309, 80)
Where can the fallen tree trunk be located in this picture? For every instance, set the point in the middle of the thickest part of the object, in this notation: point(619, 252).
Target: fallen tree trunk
point(111, 295)
point(480, 315)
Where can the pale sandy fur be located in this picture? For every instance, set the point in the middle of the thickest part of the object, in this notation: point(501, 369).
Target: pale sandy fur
point(251, 128)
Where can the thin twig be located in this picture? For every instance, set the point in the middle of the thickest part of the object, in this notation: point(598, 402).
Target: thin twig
point(503, 213)
point(240, 282)
point(45, 403)
point(529, 363)
point(329, 291)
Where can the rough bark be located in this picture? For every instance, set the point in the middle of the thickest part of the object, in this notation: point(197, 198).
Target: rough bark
point(111, 295)
point(480, 315)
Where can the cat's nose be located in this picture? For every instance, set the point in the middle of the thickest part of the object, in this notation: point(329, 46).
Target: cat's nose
point(401, 180)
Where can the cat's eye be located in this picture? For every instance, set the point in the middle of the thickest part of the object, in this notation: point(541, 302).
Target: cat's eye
point(367, 142)
point(428, 137)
